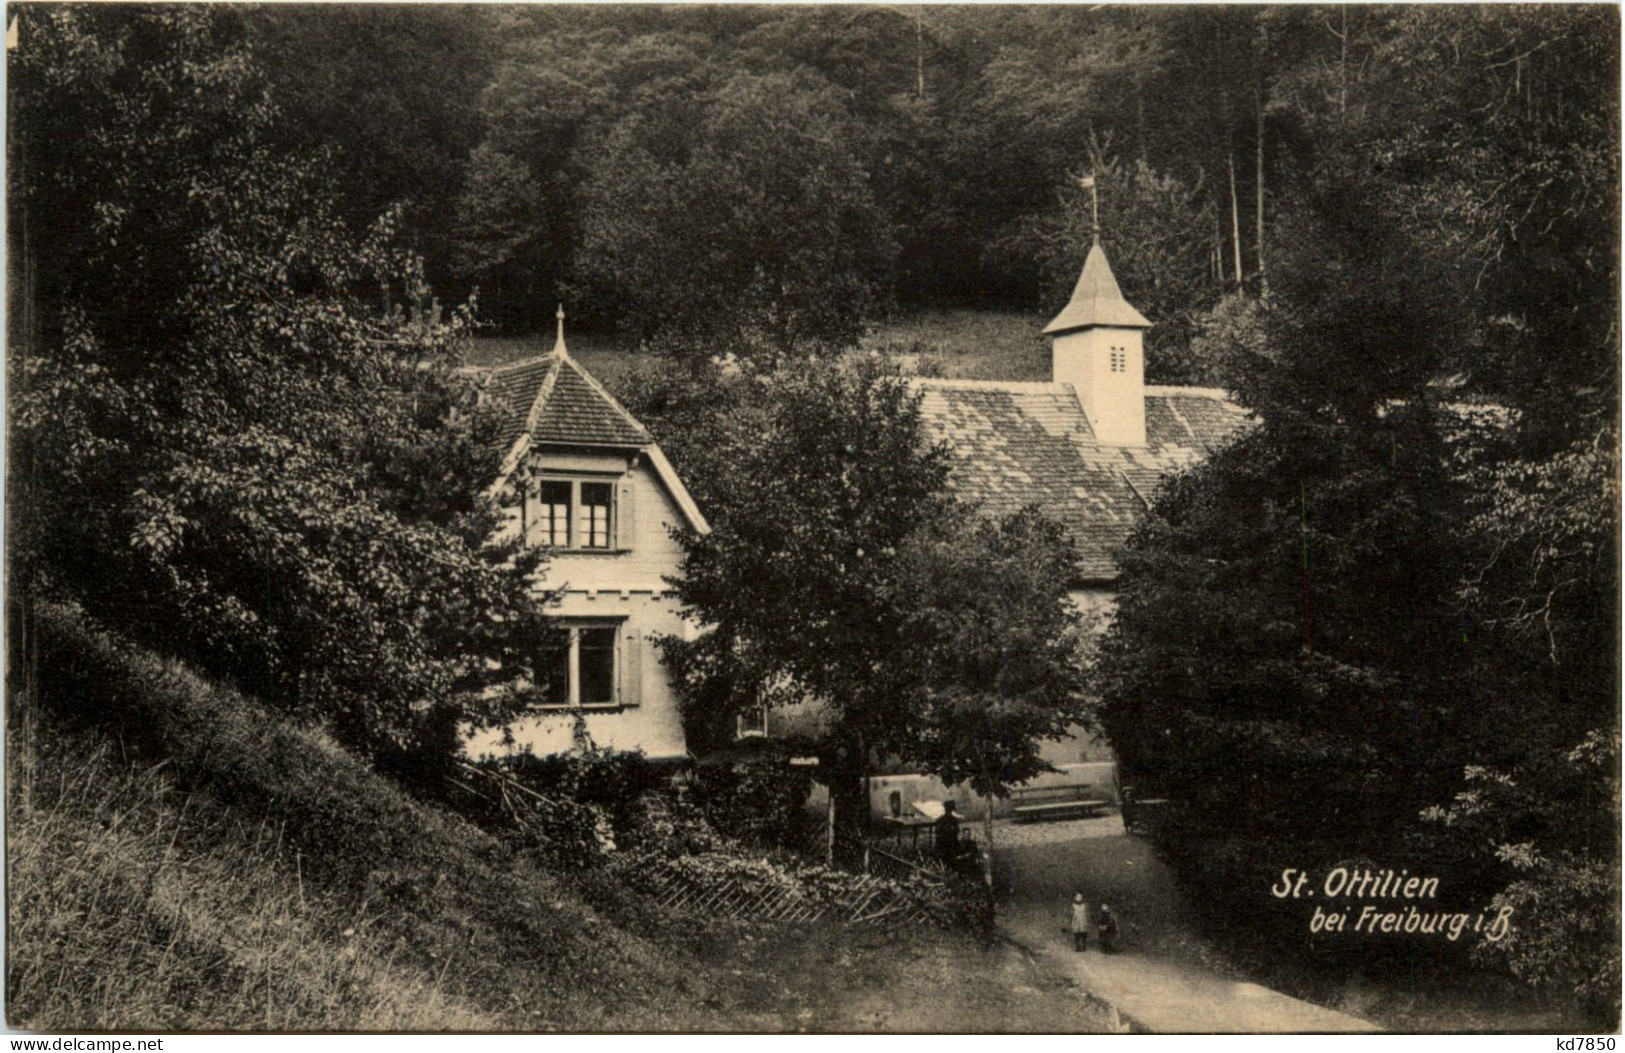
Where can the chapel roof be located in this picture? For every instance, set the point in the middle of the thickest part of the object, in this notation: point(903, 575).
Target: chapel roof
point(1096, 300)
point(1016, 444)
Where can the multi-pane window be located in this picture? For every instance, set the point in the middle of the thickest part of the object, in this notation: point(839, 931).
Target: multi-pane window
point(1119, 360)
point(595, 501)
point(571, 514)
point(578, 667)
point(553, 514)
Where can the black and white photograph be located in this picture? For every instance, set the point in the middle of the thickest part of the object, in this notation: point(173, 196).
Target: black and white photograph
point(778, 518)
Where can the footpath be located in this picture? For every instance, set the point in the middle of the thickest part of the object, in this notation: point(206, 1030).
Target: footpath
point(1148, 983)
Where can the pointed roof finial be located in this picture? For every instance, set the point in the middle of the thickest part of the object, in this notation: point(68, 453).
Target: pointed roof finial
point(1088, 183)
point(558, 347)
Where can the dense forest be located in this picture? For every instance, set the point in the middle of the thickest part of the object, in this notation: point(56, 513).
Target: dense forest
point(1361, 220)
point(1389, 612)
point(677, 174)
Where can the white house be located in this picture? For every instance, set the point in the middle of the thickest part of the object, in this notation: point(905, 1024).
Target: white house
point(583, 478)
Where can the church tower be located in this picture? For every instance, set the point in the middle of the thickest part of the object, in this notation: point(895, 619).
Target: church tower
point(1096, 345)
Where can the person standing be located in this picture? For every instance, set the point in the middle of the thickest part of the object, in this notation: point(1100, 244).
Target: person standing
point(1080, 924)
point(947, 834)
point(1108, 929)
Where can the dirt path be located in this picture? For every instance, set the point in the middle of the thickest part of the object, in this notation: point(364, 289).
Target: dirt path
point(1165, 979)
point(857, 980)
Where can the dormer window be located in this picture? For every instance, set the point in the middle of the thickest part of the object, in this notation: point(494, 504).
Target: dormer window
point(571, 514)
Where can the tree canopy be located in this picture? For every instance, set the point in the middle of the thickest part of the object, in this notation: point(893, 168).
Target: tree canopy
point(1382, 614)
point(224, 443)
point(840, 574)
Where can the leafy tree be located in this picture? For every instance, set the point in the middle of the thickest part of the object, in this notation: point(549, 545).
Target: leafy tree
point(1467, 727)
point(1541, 811)
point(503, 211)
point(758, 219)
point(222, 445)
point(390, 92)
point(560, 85)
point(996, 647)
point(819, 483)
point(1248, 675)
point(839, 573)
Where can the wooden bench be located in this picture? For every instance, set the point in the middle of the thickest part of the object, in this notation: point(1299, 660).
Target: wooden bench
point(1074, 800)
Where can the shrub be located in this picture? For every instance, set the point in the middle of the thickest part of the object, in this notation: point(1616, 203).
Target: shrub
point(613, 780)
point(668, 825)
point(762, 800)
point(557, 830)
point(1565, 932)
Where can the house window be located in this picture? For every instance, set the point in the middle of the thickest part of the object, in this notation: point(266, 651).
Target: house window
point(553, 672)
point(1119, 360)
point(751, 724)
point(553, 514)
point(595, 665)
point(580, 667)
point(571, 514)
point(595, 501)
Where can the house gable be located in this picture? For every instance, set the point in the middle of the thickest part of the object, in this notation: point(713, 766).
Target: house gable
point(584, 478)
point(551, 402)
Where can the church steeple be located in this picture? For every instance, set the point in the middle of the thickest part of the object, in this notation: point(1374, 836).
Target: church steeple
point(1096, 299)
point(1097, 346)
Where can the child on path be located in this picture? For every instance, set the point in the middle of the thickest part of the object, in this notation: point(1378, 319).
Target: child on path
point(1108, 929)
point(1080, 923)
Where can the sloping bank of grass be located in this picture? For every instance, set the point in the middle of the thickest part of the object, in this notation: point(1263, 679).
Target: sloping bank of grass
point(180, 859)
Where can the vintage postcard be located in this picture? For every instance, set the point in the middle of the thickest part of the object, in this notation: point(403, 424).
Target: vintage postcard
point(851, 518)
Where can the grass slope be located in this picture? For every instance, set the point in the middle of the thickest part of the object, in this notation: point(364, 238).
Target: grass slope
point(966, 344)
point(219, 817)
point(180, 859)
point(959, 343)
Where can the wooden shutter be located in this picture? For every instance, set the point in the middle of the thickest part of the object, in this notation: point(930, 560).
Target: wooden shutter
point(631, 665)
point(531, 513)
point(626, 520)
point(513, 515)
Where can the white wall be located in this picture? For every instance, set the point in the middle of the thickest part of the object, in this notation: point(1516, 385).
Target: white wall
point(1113, 402)
point(614, 586)
point(654, 725)
point(1095, 607)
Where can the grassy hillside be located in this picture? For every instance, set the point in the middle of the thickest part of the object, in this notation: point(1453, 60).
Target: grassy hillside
point(961, 343)
point(967, 344)
point(180, 859)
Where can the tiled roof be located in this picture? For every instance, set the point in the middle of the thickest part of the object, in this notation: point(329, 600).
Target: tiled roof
point(554, 400)
point(1016, 444)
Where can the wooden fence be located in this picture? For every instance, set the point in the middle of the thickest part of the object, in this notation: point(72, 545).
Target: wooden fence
point(858, 899)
